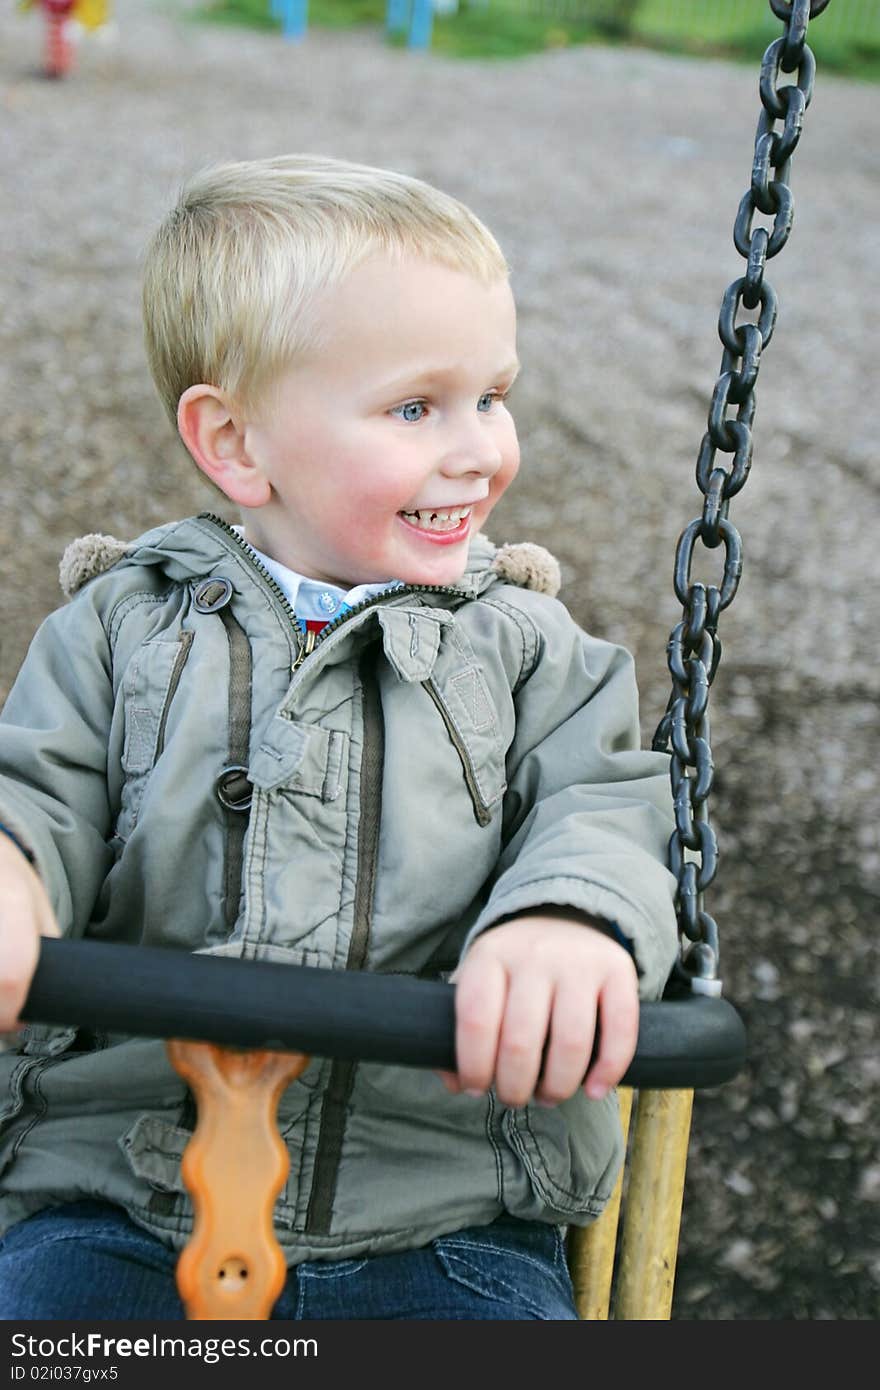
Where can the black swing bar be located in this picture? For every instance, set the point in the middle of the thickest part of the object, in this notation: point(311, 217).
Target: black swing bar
point(147, 991)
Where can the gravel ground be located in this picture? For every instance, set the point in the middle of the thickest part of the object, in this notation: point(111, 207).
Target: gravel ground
point(611, 179)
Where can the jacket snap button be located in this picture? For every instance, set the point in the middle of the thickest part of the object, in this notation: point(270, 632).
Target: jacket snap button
point(212, 594)
point(234, 789)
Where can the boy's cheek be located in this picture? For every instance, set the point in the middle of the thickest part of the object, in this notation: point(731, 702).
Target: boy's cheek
point(497, 488)
point(508, 470)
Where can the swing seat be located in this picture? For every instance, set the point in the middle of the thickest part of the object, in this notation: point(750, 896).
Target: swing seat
point(283, 1014)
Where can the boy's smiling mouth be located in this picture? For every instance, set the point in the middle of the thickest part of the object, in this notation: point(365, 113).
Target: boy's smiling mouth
point(446, 525)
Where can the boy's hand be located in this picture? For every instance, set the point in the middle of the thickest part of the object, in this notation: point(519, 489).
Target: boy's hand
point(25, 915)
point(542, 978)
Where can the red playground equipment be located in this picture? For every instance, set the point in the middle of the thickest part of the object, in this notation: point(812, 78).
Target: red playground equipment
point(61, 16)
point(59, 50)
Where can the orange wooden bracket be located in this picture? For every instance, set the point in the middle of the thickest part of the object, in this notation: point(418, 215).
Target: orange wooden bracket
point(234, 1166)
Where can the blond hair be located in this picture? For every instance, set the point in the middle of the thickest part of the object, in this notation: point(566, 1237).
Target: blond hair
point(232, 275)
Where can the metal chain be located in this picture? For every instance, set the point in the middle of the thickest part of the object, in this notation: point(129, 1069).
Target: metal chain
point(694, 648)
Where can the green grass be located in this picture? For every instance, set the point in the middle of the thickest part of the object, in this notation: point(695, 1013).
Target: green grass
point(486, 33)
point(711, 28)
point(845, 39)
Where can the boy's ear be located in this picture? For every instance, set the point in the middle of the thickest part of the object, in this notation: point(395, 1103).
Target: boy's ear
point(216, 439)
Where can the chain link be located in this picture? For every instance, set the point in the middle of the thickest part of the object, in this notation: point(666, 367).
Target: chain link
point(694, 648)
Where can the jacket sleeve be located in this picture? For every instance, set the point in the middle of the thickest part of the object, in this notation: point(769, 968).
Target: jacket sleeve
point(54, 733)
point(587, 812)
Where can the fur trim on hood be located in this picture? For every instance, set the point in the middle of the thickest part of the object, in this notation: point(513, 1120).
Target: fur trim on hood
point(530, 566)
point(87, 557)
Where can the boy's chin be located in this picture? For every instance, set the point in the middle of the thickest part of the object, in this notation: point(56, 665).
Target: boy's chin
point(442, 574)
point(440, 560)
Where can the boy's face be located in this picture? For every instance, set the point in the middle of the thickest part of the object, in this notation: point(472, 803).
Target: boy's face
point(387, 447)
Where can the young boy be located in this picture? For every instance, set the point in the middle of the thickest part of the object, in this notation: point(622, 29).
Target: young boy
point(444, 777)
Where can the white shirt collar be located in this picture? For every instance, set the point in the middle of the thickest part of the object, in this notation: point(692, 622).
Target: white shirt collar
point(316, 600)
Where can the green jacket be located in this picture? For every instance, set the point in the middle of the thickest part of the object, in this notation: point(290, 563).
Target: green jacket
point(443, 758)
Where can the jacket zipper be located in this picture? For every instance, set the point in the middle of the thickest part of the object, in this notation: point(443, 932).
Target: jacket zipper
point(272, 584)
point(375, 599)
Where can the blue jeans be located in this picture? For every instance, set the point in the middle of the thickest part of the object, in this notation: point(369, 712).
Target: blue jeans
point(87, 1260)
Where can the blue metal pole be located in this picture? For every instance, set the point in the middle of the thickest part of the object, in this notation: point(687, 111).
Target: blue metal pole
point(397, 16)
point(294, 16)
point(422, 24)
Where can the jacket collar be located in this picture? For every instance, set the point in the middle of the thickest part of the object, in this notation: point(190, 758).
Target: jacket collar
point(188, 549)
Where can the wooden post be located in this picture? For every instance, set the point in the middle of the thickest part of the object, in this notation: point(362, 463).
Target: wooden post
point(591, 1248)
point(649, 1242)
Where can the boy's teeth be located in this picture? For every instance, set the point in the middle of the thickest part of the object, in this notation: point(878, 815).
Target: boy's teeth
point(438, 521)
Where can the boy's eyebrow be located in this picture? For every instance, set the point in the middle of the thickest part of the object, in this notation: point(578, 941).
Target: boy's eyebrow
point(434, 373)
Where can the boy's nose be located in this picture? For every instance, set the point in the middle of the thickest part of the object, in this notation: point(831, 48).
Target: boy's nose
point(474, 450)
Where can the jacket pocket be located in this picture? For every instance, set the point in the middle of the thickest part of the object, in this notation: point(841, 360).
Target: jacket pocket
point(466, 708)
point(154, 1149)
point(305, 758)
point(39, 1046)
point(154, 1146)
point(569, 1154)
point(149, 685)
point(14, 1072)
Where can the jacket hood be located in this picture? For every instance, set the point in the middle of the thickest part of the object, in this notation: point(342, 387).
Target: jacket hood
point(186, 549)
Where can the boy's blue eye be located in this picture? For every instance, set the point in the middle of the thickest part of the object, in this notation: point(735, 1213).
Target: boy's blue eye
point(410, 411)
point(413, 411)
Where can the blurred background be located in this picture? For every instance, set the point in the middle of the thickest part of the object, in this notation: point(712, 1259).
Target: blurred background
point(608, 146)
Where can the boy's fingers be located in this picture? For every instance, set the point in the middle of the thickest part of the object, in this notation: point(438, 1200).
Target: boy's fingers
point(26, 916)
point(521, 1041)
point(572, 1029)
point(18, 960)
point(618, 1035)
point(479, 1006)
